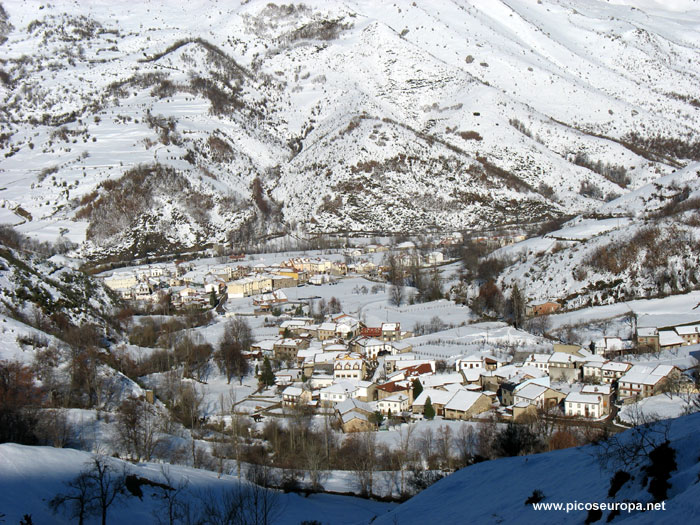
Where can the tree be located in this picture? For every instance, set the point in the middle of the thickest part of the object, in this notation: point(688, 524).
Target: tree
point(77, 501)
point(364, 461)
point(394, 272)
point(236, 339)
point(444, 446)
point(173, 506)
point(186, 407)
point(428, 411)
point(405, 454)
point(137, 429)
point(267, 377)
point(17, 395)
point(514, 440)
point(417, 388)
point(377, 418)
point(490, 298)
point(108, 484)
point(516, 306)
point(433, 291)
point(92, 492)
point(466, 443)
point(396, 294)
point(334, 306)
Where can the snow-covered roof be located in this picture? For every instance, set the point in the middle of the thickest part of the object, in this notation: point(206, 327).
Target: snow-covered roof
point(531, 391)
point(613, 366)
point(593, 358)
point(396, 398)
point(370, 341)
point(353, 404)
point(463, 400)
point(578, 397)
point(669, 338)
point(292, 391)
point(441, 379)
point(646, 331)
point(440, 397)
point(644, 375)
point(472, 375)
point(688, 330)
point(341, 387)
point(563, 357)
point(662, 370)
point(597, 389)
point(538, 358)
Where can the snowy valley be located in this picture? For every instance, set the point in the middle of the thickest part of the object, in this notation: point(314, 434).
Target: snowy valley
point(349, 261)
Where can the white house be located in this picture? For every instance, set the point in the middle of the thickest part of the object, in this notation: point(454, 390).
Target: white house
point(349, 366)
point(641, 381)
point(583, 405)
point(539, 361)
point(614, 370)
point(337, 392)
point(470, 362)
point(393, 405)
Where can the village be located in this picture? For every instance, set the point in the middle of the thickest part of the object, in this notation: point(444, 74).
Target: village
point(325, 326)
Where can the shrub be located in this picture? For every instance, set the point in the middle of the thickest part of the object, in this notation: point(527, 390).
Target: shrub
point(663, 462)
point(536, 496)
point(617, 482)
point(470, 135)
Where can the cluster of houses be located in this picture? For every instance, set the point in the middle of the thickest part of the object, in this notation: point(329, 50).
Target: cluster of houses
point(186, 283)
point(361, 371)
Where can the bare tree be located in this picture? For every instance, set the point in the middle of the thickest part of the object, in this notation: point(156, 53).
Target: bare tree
point(314, 460)
point(108, 484)
point(628, 448)
point(137, 430)
point(396, 294)
point(188, 405)
point(405, 454)
point(466, 442)
point(247, 504)
point(444, 446)
point(237, 338)
point(173, 506)
point(426, 440)
point(54, 428)
point(77, 501)
point(364, 462)
point(92, 492)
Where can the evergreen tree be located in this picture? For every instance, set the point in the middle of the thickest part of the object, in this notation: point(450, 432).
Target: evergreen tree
point(417, 389)
point(428, 411)
point(517, 306)
point(267, 378)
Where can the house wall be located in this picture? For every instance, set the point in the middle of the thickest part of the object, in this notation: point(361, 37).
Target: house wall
point(564, 374)
point(357, 425)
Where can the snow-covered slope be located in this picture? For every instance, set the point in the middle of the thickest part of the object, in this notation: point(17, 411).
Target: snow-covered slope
point(496, 491)
point(646, 248)
point(328, 116)
point(31, 476)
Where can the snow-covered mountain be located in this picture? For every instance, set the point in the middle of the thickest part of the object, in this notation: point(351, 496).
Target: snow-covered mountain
point(143, 127)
